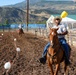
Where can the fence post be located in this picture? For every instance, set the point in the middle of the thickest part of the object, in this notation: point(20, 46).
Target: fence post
point(35, 32)
point(40, 31)
point(68, 37)
point(3, 27)
point(71, 38)
point(9, 28)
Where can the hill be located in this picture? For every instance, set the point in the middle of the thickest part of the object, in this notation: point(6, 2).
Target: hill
point(50, 6)
point(55, 6)
point(39, 10)
point(15, 15)
point(11, 14)
point(22, 5)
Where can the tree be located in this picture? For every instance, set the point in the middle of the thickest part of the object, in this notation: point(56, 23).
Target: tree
point(7, 23)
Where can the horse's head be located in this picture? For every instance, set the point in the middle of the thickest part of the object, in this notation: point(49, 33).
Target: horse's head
point(53, 36)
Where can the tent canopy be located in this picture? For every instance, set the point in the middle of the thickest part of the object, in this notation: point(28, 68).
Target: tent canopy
point(68, 21)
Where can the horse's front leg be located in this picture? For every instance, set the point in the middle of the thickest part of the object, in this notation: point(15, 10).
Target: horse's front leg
point(57, 68)
point(66, 69)
point(50, 65)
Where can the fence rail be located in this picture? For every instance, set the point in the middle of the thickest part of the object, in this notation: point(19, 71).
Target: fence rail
point(71, 37)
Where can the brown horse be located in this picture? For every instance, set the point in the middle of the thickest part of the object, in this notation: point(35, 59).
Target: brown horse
point(55, 54)
point(21, 31)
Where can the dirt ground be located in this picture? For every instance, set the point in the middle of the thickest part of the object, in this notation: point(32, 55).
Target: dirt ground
point(27, 62)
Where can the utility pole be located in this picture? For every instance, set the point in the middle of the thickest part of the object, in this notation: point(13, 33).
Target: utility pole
point(27, 13)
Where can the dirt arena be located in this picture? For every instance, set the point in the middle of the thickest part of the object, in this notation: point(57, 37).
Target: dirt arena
point(26, 63)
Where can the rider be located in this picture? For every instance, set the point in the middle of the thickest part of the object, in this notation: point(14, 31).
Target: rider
point(62, 31)
point(20, 28)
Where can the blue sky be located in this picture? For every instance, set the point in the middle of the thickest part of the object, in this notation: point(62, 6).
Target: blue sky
point(8, 2)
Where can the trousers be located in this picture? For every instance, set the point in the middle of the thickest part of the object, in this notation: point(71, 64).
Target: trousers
point(64, 45)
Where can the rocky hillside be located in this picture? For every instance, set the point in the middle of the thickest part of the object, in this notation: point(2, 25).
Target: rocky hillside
point(55, 7)
point(45, 3)
point(22, 5)
point(40, 10)
point(48, 7)
point(15, 15)
point(11, 14)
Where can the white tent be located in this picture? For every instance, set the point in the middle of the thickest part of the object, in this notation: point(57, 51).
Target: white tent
point(69, 20)
point(71, 23)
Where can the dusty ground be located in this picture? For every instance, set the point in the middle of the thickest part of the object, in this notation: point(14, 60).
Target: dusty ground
point(31, 49)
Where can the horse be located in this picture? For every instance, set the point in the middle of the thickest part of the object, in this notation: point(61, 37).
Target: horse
point(21, 31)
point(55, 54)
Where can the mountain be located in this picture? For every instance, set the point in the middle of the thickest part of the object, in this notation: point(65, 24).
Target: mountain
point(22, 5)
point(56, 6)
point(31, 2)
point(39, 10)
point(15, 15)
point(44, 4)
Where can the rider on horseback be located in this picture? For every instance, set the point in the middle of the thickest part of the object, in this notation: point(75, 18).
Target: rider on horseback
point(62, 31)
point(20, 29)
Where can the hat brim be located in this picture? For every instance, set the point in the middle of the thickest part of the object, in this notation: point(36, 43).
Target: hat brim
point(57, 18)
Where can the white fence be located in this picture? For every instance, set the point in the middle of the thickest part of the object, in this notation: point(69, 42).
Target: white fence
point(71, 37)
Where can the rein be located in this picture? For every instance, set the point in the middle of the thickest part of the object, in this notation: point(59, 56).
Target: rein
point(52, 56)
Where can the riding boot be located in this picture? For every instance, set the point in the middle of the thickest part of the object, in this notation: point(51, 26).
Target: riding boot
point(67, 58)
point(69, 50)
point(67, 61)
point(43, 60)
